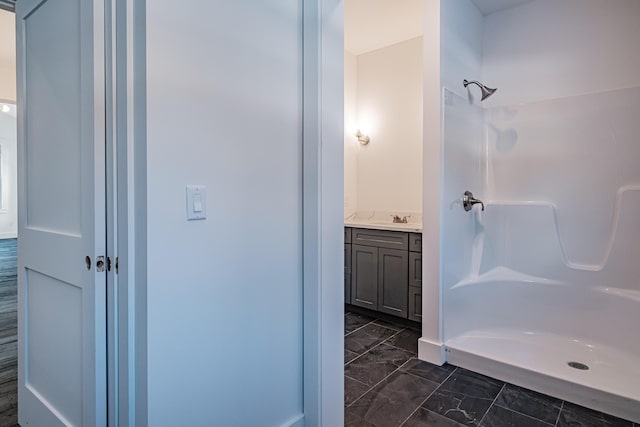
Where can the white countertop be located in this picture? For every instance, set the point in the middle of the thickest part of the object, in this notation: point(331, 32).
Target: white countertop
point(376, 220)
point(409, 227)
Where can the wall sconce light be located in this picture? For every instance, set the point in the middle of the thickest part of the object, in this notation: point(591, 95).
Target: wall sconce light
point(362, 138)
point(5, 108)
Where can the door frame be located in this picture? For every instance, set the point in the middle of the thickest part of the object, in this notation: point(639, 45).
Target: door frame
point(323, 207)
point(127, 94)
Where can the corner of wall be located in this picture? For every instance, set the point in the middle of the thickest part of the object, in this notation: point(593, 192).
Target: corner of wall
point(431, 200)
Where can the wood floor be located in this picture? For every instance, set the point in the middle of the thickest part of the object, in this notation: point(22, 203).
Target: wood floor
point(8, 333)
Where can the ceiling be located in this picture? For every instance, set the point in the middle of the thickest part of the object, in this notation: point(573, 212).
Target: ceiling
point(488, 7)
point(374, 24)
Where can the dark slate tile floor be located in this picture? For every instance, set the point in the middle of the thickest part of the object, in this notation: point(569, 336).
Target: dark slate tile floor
point(387, 386)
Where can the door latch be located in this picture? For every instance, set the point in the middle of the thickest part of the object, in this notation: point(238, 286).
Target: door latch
point(100, 264)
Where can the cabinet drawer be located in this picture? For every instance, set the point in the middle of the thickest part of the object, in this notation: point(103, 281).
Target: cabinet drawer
point(380, 238)
point(415, 242)
point(347, 234)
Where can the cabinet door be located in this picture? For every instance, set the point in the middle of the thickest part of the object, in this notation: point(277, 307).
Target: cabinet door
point(393, 269)
point(415, 269)
point(415, 304)
point(415, 242)
point(364, 276)
point(347, 235)
point(347, 274)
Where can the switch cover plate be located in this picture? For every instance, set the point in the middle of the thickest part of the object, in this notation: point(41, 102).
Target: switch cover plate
point(196, 202)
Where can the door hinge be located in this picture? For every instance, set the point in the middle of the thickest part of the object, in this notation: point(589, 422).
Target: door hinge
point(108, 263)
point(116, 265)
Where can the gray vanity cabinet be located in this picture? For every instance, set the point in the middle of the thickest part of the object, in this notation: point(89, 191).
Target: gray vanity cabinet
point(415, 304)
point(347, 265)
point(379, 270)
point(392, 281)
point(364, 276)
point(415, 277)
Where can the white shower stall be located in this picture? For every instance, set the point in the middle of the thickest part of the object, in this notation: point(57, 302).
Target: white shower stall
point(542, 288)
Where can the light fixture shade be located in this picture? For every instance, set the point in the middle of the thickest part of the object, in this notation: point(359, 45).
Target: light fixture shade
point(362, 138)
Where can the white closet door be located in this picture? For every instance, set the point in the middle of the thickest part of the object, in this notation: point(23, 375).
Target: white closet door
point(62, 327)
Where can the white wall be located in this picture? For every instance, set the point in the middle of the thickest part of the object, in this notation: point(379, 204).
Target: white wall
point(567, 128)
point(8, 128)
point(7, 56)
point(461, 44)
point(7, 83)
point(8, 174)
point(430, 345)
point(462, 29)
point(548, 49)
point(389, 110)
point(350, 142)
point(451, 161)
point(224, 295)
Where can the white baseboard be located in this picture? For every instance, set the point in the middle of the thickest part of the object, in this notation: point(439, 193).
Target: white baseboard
point(10, 235)
point(431, 352)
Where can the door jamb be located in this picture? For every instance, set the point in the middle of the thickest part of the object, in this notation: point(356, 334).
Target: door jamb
point(323, 293)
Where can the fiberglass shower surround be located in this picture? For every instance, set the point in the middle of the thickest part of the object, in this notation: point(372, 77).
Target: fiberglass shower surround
point(545, 280)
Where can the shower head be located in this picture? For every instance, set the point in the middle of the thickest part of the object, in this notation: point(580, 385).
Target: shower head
point(486, 92)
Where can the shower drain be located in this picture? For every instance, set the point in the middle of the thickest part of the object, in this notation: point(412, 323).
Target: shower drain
point(578, 365)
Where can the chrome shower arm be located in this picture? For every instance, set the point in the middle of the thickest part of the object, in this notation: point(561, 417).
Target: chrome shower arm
point(486, 91)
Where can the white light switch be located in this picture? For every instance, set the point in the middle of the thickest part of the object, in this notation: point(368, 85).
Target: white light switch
point(196, 202)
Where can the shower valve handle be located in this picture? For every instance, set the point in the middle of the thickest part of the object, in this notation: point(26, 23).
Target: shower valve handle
point(468, 201)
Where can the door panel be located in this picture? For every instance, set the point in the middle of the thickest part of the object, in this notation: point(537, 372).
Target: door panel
point(415, 304)
point(393, 269)
point(364, 276)
point(53, 125)
point(415, 269)
point(54, 337)
point(61, 148)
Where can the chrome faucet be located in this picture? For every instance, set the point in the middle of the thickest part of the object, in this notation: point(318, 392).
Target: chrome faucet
point(468, 201)
point(398, 220)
